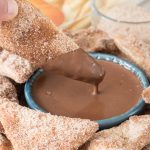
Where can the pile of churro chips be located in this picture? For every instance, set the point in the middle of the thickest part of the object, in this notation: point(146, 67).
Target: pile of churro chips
point(21, 53)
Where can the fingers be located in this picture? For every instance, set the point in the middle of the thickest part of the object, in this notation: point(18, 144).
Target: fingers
point(8, 9)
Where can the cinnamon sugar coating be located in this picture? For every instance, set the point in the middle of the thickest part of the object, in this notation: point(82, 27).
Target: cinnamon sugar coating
point(7, 90)
point(92, 39)
point(146, 95)
point(33, 36)
point(133, 134)
point(135, 54)
point(29, 129)
point(15, 67)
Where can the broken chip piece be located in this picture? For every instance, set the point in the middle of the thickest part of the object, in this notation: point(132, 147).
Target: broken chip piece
point(30, 129)
point(130, 135)
point(146, 95)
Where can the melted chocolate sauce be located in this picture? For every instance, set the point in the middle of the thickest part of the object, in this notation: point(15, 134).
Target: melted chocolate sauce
point(117, 93)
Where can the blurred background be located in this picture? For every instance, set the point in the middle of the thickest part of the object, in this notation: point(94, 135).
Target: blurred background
point(69, 14)
point(77, 14)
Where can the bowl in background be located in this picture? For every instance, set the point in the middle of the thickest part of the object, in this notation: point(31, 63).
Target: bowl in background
point(117, 18)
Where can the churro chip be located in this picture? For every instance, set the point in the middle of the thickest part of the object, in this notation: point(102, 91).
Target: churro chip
point(33, 36)
point(7, 90)
point(15, 67)
point(146, 95)
point(137, 51)
point(133, 134)
point(5, 143)
point(30, 130)
point(94, 40)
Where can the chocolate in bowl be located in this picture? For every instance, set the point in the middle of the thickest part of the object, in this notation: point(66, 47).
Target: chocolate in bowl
point(109, 121)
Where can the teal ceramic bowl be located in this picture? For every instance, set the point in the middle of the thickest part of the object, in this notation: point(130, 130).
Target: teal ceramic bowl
point(106, 123)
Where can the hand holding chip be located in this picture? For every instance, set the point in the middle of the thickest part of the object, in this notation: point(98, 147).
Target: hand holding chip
point(8, 9)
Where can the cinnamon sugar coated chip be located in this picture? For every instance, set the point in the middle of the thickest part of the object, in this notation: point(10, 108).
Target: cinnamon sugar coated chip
point(94, 40)
point(7, 90)
point(138, 56)
point(15, 67)
point(33, 130)
point(33, 36)
point(133, 134)
point(146, 95)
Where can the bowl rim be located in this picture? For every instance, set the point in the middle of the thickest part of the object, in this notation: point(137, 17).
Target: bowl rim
point(104, 123)
point(98, 12)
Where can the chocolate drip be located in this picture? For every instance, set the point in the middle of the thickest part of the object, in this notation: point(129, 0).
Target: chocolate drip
point(77, 65)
